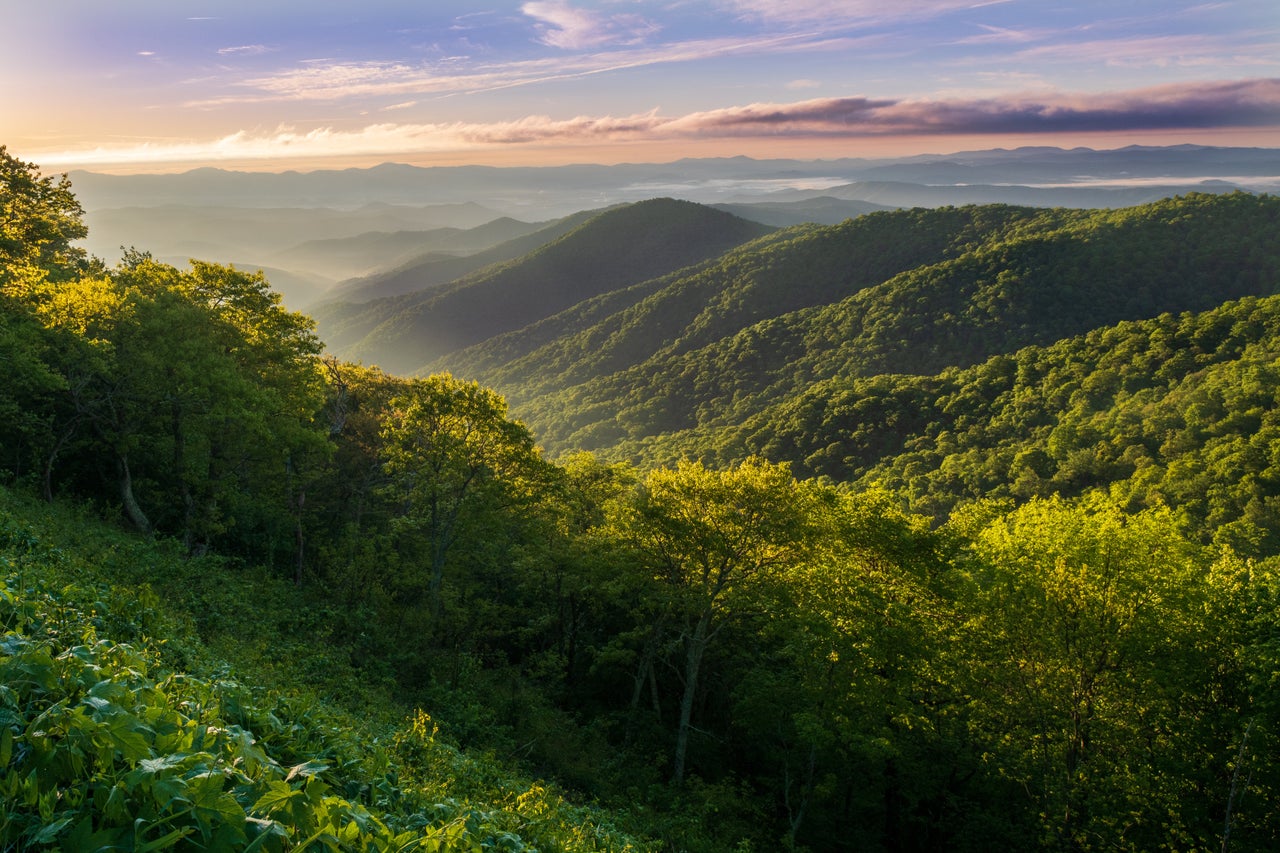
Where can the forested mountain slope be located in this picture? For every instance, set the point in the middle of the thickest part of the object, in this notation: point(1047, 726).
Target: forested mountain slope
point(612, 250)
point(1179, 409)
point(790, 270)
point(429, 268)
point(899, 292)
point(348, 257)
point(194, 499)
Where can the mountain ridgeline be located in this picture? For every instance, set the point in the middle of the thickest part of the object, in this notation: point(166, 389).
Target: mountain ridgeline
point(900, 292)
point(614, 249)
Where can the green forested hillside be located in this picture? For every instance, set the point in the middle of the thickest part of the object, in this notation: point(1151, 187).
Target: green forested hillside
point(905, 292)
point(347, 257)
point(1180, 410)
point(614, 249)
point(778, 275)
point(357, 306)
point(257, 597)
point(428, 266)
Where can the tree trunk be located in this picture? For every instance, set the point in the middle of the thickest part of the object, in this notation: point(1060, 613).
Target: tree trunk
point(439, 531)
point(795, 814)
point(693, 662)
point(644, 672)
point(131, 507)
point(46, 474)
point(300, 541)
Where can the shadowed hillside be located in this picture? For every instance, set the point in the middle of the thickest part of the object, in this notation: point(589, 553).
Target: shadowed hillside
point(615, 249)
point(908, 292)
point(432, 267)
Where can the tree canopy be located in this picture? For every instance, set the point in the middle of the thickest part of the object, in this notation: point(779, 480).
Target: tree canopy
point(1021, 592)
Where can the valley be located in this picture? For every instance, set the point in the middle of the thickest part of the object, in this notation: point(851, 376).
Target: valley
point(851, 516)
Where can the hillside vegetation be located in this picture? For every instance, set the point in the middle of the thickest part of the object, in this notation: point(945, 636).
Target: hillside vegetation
point(427, 268)
point(899, 292)
point(1018, 593)
point(611, 250)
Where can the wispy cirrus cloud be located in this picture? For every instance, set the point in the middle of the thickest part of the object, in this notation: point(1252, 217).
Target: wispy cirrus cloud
point(244, 50)
point(335, 80)
point(1002, 35)
point(1160, 51)
point(1223, 104)
point(561, 25)
point(845, 12)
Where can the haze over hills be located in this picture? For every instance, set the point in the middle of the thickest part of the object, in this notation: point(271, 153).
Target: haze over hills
point(612, 250)
point(891, 194)
point(565, 189)
point(436, 268)
point(180, 227)
point(299, 223)
point(349, 257)
point(303, 248)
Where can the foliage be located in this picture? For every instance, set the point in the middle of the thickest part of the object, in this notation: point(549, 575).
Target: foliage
point(896, 292)
point(452, 456)
point(1019, 596)
point(614, 249)
point(103, 744)
point(40, 219)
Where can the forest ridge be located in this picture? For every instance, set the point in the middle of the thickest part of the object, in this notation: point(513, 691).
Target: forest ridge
point(930, 530)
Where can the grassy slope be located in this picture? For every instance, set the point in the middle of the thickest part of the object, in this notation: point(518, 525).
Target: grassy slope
point(155, 702)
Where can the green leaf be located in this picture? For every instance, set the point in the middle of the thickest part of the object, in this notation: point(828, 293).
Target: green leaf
point(97, 703)
point(167, 840)
point(278, 795)
point(125, 737)
point(158, 765)
point(167, 791)
point(50, 832)
point(267, 830)
point(306, 769)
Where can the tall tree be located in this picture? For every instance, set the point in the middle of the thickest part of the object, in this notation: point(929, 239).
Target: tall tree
point(708, 538)
point(453, 455)
point(40, 218)
point(1090, 646)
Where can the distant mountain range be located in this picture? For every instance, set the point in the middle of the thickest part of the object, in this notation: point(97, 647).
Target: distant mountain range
point(547, 192)
point(360, 234)
point(423, 271)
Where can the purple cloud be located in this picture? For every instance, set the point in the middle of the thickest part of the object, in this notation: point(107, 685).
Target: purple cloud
point(1244, 103)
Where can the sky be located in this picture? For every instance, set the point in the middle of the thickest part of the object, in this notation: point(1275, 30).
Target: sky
point(166, 85)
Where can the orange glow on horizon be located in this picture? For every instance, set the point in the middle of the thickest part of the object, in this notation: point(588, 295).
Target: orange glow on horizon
point(667, 151)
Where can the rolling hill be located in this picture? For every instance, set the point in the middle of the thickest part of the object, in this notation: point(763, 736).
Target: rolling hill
point(433, 266)
point(610, 251)
point(348, 257)
point(221, 233)
point(912, 292)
